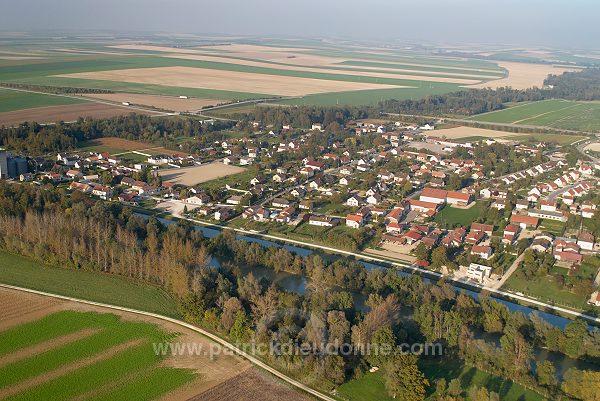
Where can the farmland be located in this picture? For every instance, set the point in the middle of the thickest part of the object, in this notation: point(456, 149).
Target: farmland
point(200, 174)
point(91, 355)
point(14, 100)
point(317, 74)
point(563, 114)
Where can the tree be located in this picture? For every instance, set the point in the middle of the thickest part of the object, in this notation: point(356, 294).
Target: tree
point(582, 384)
point(382, 345)
point(421, 252)
point(546, 374)
point(404, 380)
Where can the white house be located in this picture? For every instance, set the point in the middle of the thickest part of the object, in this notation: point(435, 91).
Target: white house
point(478, 272)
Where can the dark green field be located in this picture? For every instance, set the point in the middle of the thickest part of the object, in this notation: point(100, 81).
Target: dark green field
point(106, 358)
point(556, 113)
point(14, 100)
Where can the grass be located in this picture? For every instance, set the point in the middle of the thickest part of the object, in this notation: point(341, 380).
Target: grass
point(242, 178)
point(556, 113)
point(453, 217)
point(94, 286)
point(546, 288)
point(552, 226)
point(13, 100)
point(371, 387)
point(551, 138)
point(137, 361)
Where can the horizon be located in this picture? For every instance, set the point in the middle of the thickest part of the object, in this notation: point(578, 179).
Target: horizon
point(554, 24)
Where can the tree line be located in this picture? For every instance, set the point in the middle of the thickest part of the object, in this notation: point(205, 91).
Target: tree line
point(77, 232)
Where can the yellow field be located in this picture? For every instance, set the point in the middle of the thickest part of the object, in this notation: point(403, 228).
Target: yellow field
point(524, 75)
point(227, 80)
point(466, 132)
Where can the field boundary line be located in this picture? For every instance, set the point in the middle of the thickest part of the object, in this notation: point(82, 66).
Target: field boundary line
point(189, 326)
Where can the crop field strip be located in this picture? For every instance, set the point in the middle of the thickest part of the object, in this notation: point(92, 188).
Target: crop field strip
point(14, 100)
point(565, 114)
point(111, 349)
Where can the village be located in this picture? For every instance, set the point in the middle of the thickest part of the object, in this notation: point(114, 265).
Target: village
point(401, 192)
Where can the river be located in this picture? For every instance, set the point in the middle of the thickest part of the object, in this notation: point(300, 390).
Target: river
point(298, 284)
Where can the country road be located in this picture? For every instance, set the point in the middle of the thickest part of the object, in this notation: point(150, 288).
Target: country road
point(181, 323)
point(509, 272)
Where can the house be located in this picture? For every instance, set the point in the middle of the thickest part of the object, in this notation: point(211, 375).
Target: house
point(199, 199)
point(570, 257)
point(317, 127)
point(475, 237)
point(487, 229)
point(422, 206)
point(595, 298)
point(548, 206)
point(433, 195)
point(305, 205)
point(541, 245)
point(478, 272)
point(524, 221)
point(557, 215)
point(224, 214)
point(280, 203)
point(374, 199)
point(79, 186)
point(458, 198)
point(586, 241)
point(354, 201)
point(102, 192)
point(510, 233)
point(234, 200)
point(322, 221)
point(354, 221)
point(454, 238)
point(522, 204)
point(499, 204)
point(482, 251)
point(396, 215)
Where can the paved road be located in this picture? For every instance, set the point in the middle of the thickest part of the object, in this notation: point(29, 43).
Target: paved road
point(208, 334)
point(402, 265)
point(509, 272)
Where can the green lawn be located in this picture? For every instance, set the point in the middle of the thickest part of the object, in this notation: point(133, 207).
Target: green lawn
point(453, 217)
point(20, 271)
point(546, 288)
point(371, 386)
point(552, 226)
point(557, 113)
point(118, 373)
point(13, 100)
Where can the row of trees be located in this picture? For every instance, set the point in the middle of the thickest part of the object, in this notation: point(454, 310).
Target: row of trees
point(35, 139)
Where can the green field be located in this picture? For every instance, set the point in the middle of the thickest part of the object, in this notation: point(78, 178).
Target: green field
point(115, 290)
point(112, 359)
point(13, 100)
point(453, 217)
point(564, 114)
point(371, 386)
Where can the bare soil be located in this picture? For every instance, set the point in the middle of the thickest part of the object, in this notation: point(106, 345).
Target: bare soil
point(199, 174)
point(52, 114)
point(252, 385)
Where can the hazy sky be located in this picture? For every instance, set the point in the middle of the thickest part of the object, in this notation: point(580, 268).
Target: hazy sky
point(561, 23)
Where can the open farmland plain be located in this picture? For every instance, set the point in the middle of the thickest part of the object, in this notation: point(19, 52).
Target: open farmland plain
point(556, 113)
point(318, 74)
